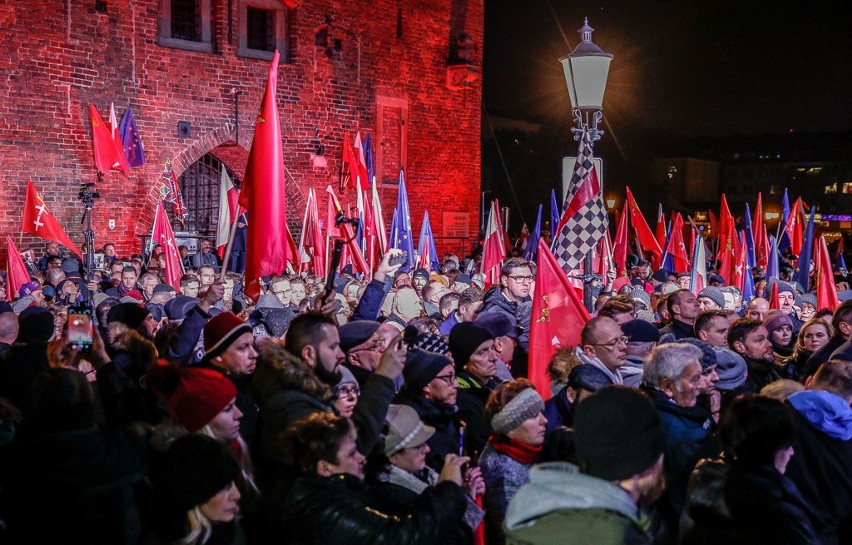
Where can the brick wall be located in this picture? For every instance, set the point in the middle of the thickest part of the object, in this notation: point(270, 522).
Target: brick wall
point(56, 57)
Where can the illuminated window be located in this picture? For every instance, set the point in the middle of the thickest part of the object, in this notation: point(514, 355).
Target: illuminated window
point(847, 188)
point(671, 173)
point(831, 189)
point(185, 24)
point(814, 171)
point(263, 29)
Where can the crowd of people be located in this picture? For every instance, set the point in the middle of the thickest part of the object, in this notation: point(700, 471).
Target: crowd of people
point(398, 409)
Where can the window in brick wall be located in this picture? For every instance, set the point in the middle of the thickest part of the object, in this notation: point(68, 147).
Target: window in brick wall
point(199, 185)
point(263, 29)
point(186, 24)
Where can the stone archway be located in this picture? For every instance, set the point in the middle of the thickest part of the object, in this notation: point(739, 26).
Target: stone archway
point(220, 143)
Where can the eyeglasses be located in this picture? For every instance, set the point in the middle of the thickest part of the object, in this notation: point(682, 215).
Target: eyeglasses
point(521, 279)
point(613, 343)
point(449, 379)
point(354, 391)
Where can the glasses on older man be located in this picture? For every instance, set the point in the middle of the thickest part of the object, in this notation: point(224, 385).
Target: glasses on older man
point(450, 379)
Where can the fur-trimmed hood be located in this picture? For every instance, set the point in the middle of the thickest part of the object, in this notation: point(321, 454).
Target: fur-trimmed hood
point(278, 369)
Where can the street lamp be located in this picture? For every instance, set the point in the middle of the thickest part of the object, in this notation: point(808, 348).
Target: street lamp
point(586, 70)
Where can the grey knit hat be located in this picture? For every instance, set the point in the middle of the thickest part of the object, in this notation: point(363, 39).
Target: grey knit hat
point(714, 294)
point(527, 404)
point(731, 369)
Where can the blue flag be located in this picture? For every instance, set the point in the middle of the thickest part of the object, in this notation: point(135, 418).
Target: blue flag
point(531, 250)
point(134, 151)
point(751, 256)
point(840, 262)
point(803, 268)
point(555, 214)
point(748, 286)
point(772, 265)
point(784, 240)
point(402, 224)
point(368, 158)
point(427, 238)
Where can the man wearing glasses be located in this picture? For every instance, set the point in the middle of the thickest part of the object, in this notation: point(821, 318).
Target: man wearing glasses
point(604, 346)
point(513, 296)
point(431, 390)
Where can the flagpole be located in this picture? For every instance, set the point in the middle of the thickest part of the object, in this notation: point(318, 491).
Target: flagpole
point(227, 255)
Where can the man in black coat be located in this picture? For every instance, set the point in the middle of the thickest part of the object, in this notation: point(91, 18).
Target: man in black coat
point(842, 323)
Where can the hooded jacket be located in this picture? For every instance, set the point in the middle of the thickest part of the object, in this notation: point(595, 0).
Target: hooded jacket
point(519, 313)
point(562, 505)
point(286, 390)
point(821, 466)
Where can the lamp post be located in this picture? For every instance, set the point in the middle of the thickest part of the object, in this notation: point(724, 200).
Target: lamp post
point(586, 70)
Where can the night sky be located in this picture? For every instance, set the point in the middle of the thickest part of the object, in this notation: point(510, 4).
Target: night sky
point(681, 69)
point(690, 67)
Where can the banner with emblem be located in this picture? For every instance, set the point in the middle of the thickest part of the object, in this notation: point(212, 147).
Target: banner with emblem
point(40, 222)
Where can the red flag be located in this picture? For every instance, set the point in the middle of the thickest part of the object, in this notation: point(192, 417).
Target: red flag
point(677, 248)
point(647, 240)
point(493, 251)
point(264, 195)
point(16, 271)
point(360, 163)
point(41, 223)
point(660, 233)
point(728, 260)
point(162, 234)
point(826, 290)
point(714, 224)
point(107, 156)
point(355, 256)
point(620, 245)
point(795, 229)
point(727, 229)
point(558, 317)
point(295, 260)
point(740, 264)
point(761, 241)
point(228, 197)
point(311, 242)
point(774, 303)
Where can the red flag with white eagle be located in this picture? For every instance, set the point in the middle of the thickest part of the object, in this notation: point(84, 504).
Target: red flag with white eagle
point(40, 222)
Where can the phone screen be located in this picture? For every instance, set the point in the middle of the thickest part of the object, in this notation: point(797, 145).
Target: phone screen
point(80, 330)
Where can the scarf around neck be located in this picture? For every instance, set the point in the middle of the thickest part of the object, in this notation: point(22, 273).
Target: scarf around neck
point(516, 450)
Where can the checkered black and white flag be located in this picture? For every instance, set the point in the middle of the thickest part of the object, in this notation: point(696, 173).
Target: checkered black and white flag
point(584, 220)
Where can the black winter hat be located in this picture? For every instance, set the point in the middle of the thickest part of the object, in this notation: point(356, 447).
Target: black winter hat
point(35, 325)
point(641, 331)
point(194, 469)
point(617, 433)
point(708, 355)
point(177, 308)
point(465, 338)
point(355, 333)
point(421, 368)
point(130, 314)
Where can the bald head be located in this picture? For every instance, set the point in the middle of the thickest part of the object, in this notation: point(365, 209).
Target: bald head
point(8, 327)
point(757, 308)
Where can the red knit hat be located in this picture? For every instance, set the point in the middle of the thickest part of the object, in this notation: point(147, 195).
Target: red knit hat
point(222, 330)
point(200, 395)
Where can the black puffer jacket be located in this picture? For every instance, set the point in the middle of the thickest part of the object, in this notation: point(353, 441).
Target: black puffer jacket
point(739, 504)
point(340, 510)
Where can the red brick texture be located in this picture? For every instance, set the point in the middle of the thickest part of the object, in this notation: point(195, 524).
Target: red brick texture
point(56, 57)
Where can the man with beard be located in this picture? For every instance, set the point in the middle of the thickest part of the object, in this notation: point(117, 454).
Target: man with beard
point(750, 339)
point(619, 453)
point(293, 381)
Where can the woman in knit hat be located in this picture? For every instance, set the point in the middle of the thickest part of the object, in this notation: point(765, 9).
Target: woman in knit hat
point(780, 328)
point(196, 494)
point(813, 336)
point(515, 412)
point(345, 394)
point(203, 401)
point(397, 470)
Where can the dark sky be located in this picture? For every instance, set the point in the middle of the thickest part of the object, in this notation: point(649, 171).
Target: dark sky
point(692, 68)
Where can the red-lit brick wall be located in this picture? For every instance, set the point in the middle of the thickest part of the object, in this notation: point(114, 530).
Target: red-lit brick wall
point(57, 56)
